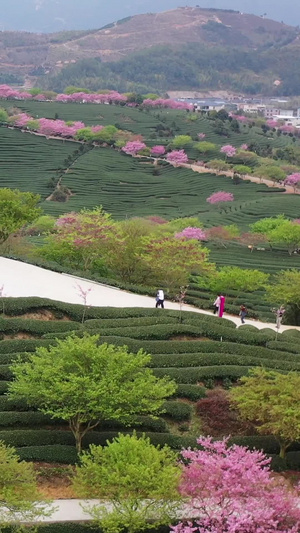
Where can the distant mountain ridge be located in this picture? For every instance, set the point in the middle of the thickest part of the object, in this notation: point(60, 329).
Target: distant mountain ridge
point(187, 29)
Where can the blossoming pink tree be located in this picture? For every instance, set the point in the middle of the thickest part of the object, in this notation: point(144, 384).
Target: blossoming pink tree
point(133, 147)
point(167, 103)
point(177, 157)
point(232, 490)
point(244, 146)
point(201, 135)
point(191, 233)
point(293, 180)
point(228, 150)
point(220, 197)
point(157, 150)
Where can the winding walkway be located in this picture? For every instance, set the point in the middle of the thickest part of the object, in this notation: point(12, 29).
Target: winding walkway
point(21, 279)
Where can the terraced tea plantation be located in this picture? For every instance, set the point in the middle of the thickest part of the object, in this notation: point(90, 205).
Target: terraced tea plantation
point(126, 186)
point(197, 351)
point(150, 123)
point(28, 162)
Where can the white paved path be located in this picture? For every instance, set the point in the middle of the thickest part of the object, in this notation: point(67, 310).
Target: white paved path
point(21, 279)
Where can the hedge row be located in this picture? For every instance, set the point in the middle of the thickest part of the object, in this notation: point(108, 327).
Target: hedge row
point(284, 347)
point(166, 331)
point(190, 392)
point(23, 345)
point(37, 327)
point(196, 374)
point(189, 347)
point(205, 359)
point(177, 410)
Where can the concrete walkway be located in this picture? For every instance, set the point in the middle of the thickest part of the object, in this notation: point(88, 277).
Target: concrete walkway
point(21, 279)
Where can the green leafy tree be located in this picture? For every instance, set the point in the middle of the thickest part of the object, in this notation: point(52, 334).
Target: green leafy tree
point(3, 115)
point(287, 234)
point(242, 169)
point(18, 490)
point(239, 279)
point(180, 141)
point(172, 261)
point(271, 401)
point(85, 383)
point(285, 288)
point(204, 147)
point(16, 209)
point(139, 480)
point(265, 226)
point(271, 172)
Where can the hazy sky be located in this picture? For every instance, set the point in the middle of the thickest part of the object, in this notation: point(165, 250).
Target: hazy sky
point(54, 15)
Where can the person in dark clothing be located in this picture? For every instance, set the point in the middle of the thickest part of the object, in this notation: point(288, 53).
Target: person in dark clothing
point(243, 313)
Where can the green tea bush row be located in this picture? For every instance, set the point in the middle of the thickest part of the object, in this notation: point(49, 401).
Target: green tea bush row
point(190, 392)
point(22, 345)
point(177, 410)
point(26, 418)
point(37, 327)
point(284, 347)
point(196, 374)
point(200, 359)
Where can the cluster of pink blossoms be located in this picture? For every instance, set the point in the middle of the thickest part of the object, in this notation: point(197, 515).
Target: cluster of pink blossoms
point(228, 150)
point(167, 103)
point(219, 197)
point(87, 98)
point(191, 233)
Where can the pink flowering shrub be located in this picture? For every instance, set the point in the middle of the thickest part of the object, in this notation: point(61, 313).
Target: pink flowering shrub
point(133, 147)
point(292, 179)
point(232, 489)
point(167, 103)
point(201, 135)
point(191, 233)
point(244, 146)
point(272, 123)
point(177, 157)
point(219, 197)
point(21, 119)
point(228, 150)
point(159, 149)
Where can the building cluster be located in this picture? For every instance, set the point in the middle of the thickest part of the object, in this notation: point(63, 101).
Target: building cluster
point(268, 108)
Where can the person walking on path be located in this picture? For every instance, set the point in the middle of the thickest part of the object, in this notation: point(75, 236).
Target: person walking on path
point(243, 313)
point(217, 304)
point(222, 305)
point(279, 316)
point(160, 298)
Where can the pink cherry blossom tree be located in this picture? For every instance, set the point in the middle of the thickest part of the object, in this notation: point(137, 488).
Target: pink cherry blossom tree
point(177, 157)
point(157, 150)
point(228, 150)
point(133, 147)
point(191, 233)
point(232, 489)
point(292, 180)
point(220, 197)
point(201, 135)
point(244, 146)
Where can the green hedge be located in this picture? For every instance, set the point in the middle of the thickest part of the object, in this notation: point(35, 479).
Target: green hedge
point(3, 386)
point(36, 327)
point(190, 392)
point(23, 345)
point(49, 454)
point(284, 347)
point(196, 374)
point(25, 418)
point(177, 410)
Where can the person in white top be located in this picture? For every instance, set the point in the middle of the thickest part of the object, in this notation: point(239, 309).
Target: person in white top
point(217, 304)
point(160, 298)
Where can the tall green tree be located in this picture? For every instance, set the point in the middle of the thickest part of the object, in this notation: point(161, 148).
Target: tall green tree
point(271, 401)
point(18, 490)
point(16, 209)
point(139, 480)
point(84, 383)
point(239, 279)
